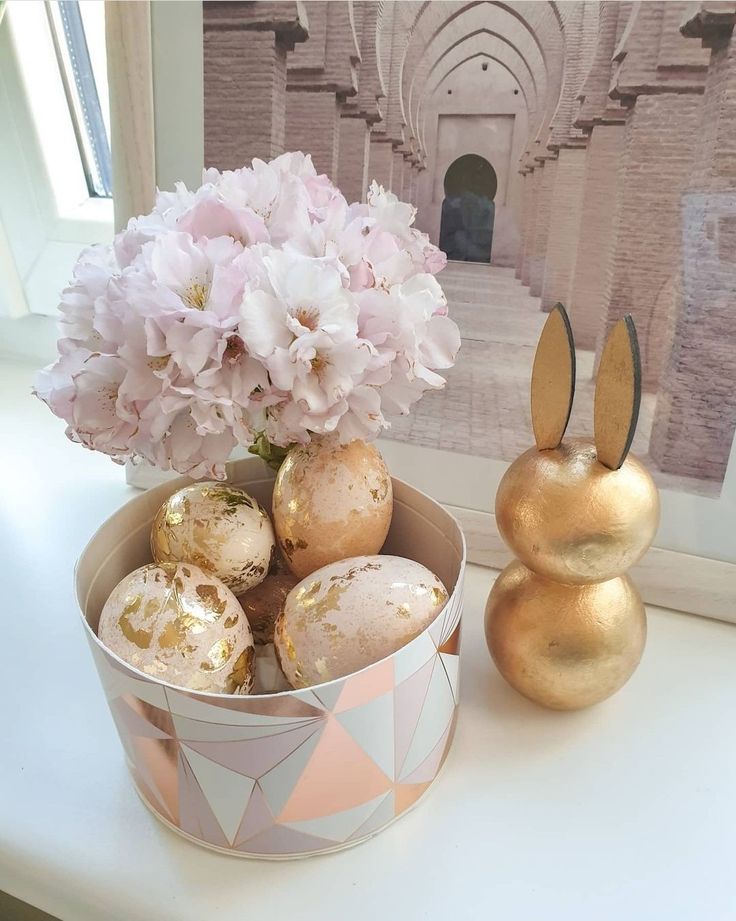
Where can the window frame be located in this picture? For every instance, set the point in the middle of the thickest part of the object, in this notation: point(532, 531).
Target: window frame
point(155, 75)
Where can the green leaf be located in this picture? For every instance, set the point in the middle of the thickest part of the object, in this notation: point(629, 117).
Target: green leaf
point(273, 455)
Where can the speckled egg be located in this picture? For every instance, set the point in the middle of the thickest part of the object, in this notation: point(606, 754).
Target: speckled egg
point(331, 502)
point(180, 624)
point(352, 613)
point(264, 602)
point(217, 527)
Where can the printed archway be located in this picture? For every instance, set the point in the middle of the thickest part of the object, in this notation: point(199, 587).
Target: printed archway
point(468, 209)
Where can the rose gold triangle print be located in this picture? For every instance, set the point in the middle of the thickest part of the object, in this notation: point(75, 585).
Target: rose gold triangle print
point(382, 816)
point(338, 776)
point(406, 794)
point(409, 699)
point(156, 762)
point(285, 842)
point(151, 796)
point(452, 643)
point(255, 757)
point(256, 818)
point(141, 719)
point(429, 768)
point(366, 686)
point(195, 816)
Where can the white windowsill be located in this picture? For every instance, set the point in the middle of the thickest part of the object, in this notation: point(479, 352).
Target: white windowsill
point(625, 810)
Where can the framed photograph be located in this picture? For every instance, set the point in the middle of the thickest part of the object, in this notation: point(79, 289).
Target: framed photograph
point(607, 186)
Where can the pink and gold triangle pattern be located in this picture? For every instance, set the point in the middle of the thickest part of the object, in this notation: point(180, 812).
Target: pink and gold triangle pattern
point(298, 772)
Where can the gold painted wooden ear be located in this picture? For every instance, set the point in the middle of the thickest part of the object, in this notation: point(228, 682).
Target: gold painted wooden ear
point(617, 394)
point(553, 380)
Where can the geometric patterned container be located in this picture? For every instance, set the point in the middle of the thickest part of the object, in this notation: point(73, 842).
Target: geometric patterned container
point(299, 772)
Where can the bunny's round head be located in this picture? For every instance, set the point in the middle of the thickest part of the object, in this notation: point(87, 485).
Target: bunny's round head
point(580, 511)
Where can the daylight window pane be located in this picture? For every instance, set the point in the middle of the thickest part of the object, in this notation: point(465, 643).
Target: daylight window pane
point(73, 35)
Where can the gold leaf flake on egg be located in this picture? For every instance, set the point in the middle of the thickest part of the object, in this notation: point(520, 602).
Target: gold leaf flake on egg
point(211, 599)
point(175, 633)
point(220, 529)
point(140, 638)
point(285, 638)
point(378, 605)
point(184, 612)
point(151, 608)
point(318, 608)
point(439, 595)
point(172, 635)
point(242, 671)
point(219, 652)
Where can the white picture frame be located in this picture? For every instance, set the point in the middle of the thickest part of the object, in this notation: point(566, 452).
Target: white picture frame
point(690, 568)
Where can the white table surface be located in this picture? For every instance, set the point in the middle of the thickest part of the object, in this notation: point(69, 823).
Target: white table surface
point(625, 811)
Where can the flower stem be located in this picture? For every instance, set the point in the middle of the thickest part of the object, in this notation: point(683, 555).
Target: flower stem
point(272, 454)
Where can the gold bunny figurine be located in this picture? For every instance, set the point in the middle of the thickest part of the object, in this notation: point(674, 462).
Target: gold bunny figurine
point(565, 626)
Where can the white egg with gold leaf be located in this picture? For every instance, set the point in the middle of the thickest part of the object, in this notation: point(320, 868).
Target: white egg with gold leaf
point(217, 527)
point(176, 622)
point(352, 613)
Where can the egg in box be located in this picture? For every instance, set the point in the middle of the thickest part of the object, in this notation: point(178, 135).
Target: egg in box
point(175, 622)
point(218, 528)
point(352, 613)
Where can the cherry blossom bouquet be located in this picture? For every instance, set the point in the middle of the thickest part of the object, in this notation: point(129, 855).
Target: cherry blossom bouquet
point(259, 310)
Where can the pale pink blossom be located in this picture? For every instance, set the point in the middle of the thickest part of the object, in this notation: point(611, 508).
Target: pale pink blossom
point(259, 305)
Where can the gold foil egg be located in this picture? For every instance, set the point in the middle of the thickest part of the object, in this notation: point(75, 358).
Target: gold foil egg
point(352, 613)
point(180, 624)
point(219, 528)
point(264, 602)
point(331, 502)
point(566, 516)
point(564, 646)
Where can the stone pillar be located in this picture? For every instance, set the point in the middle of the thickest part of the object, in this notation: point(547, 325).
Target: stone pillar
point(530, 224)
point(548, 172)
point(695, 417)
point(566, 213)
point(321, 76)
point(398, 173)
point(313, 126)
point(581, 32)
point(352, 171)
point(661, 79)
point(363, 110)
point(245, 49)
point(657, 157)
point(526, 185)
point(596, 236)
point(387, 136)
point(381, 162)
point(603, 119)
point(414, 184)
point(407, 181)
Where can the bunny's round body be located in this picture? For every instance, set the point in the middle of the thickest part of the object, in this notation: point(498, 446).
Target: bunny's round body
point(567, 517)
point(564, 646)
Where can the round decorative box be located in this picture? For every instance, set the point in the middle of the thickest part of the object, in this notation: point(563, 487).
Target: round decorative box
point(298, 772)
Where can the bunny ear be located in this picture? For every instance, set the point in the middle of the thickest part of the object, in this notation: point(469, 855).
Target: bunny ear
point(617, 394)
point(553, 380)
